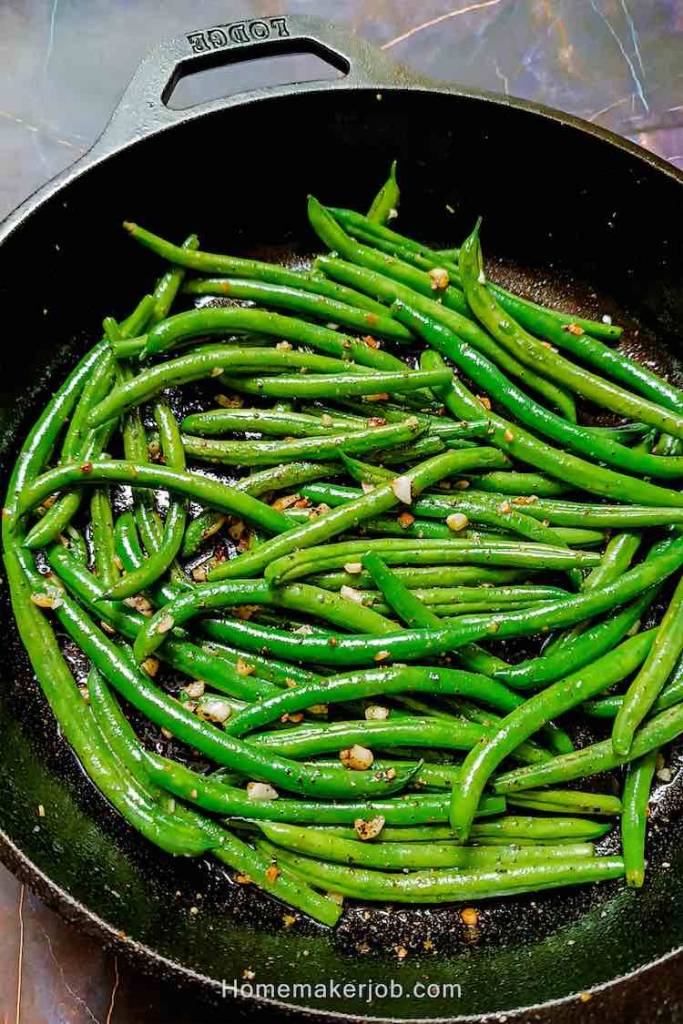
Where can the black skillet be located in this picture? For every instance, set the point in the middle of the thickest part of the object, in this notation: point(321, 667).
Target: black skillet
point(568, 208)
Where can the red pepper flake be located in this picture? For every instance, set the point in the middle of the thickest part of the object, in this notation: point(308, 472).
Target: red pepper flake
point(382, 655)
point(485, 401)
point(372, 318)
point(370, 341)
point(273, 873)
point(573, 329)
point(405, 520)
point(86, 467)
point(508, 436)
point(376, 421)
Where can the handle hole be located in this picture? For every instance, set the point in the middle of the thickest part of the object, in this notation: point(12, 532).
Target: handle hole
point(224, 73)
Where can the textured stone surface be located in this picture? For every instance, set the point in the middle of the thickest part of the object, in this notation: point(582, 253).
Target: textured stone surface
point(63, 66)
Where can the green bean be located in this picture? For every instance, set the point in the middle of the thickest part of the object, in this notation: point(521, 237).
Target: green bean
point(444, 885)
point(637, 787)
point(390, 279)
point(327, 386)
point(530, 351)
point(598, 757)
point(265, 421)
point(77, 545)
point(395, 857)
point(477, 508)
point(104, 549)
point(506, 830)
point(647, 685)
point(276, 478)
point(524, 446)
point(309, 600)
point(327, 737)
point(263, 453)
point(487, 598)
point(210, 263)
point(336, 521)
point(209, 492)
point(299, 301)
point(383, 206)
point(403, 551)
point(200, 529)
point(567, 801)
point(416, 576)
point(351, 220)
point(525, 720)
point(511, 482)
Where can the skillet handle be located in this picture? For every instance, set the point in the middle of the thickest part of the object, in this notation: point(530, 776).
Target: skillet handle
point(143, 109)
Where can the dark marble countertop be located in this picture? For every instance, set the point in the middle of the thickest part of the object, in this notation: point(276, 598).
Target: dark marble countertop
point(62, 68)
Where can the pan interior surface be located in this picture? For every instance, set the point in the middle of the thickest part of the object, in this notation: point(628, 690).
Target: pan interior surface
point(569, 218)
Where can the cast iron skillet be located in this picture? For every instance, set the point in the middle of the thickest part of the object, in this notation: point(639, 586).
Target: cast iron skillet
point(583, 215)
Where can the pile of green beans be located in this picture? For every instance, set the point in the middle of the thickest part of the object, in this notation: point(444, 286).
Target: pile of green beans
point(289, 536)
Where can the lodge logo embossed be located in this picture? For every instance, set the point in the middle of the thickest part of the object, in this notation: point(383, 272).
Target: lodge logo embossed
point(238, 33)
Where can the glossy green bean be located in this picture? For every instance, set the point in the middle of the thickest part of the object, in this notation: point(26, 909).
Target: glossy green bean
point(191, 485)
point(506, 830)
point(477, 508)
point(444, 885)
point(213, 263)
point(567, 801)
point(653, 675)
point(271, 452)
point(568, 693)
point(325, 386)
point(169, 285)
point(212, 361)
point(298, 301)
point(106, 562)
point(410, 856)
point(637, 786)
point(422, 576)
